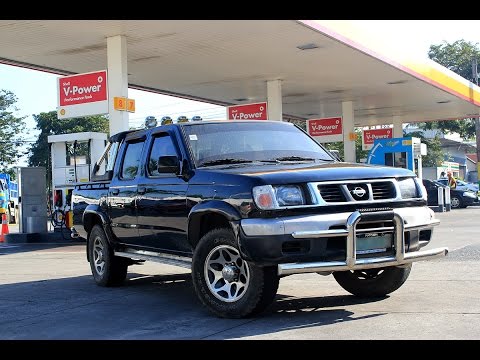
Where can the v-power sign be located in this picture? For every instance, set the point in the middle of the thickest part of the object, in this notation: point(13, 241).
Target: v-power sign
point(82, 95)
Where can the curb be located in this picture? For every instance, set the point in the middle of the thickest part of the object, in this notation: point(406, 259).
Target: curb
point(55, 237)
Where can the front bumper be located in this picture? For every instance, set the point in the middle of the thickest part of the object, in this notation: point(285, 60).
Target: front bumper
point(318, 230)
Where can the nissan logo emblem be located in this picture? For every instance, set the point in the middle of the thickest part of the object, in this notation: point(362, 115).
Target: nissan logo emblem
point(359, 192)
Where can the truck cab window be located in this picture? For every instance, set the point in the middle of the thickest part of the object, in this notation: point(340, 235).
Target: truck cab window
point(103, 168)
point(162, 146)
point(131, 160)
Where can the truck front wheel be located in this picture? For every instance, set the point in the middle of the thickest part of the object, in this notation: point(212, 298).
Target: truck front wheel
point(226, 284)
point(373, 282)
point(107, 269)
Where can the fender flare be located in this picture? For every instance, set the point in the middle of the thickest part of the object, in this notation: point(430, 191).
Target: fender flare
point(212, 206)
point(96, 211)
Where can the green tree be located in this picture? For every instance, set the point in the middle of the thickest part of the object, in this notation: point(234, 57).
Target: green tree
point(458, 57)
point(49, 124)
point(12, 129)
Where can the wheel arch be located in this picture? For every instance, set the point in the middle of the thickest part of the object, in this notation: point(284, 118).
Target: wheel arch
point(92, 216)
point(210, 215)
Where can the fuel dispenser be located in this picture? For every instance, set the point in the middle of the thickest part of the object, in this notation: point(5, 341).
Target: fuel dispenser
point(406, 153)
point(73, 157)
point(398, 152)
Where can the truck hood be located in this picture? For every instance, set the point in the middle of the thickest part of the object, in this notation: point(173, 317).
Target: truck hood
point(298, 173)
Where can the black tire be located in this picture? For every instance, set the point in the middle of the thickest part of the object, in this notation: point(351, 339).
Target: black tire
point(114, 269)
point(456, 202)
point(373, 282)
point(257, 288)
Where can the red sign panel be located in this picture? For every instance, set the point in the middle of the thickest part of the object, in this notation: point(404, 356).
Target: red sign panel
point(369, 136)
point(82, 88)
point(256, 111)
point(324, 127)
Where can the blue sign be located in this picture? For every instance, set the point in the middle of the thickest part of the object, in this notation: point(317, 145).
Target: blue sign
point(397, 152)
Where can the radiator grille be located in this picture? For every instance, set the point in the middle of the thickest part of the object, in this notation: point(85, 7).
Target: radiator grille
point(331, 193)
point(383, 190)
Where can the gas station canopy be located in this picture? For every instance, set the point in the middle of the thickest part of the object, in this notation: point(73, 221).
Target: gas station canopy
point(230, 62)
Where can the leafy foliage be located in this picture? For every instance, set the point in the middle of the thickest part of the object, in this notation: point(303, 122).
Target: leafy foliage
point(12, 129)
point(465, 128)
point(458, 57)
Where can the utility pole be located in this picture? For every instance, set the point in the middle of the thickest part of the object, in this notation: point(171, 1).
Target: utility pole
point(477, 135)
point(477, 119)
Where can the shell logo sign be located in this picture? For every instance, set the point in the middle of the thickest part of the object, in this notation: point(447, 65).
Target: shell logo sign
point(82, 95)
point(256, 111)
point(369, 136)
point(326, 129)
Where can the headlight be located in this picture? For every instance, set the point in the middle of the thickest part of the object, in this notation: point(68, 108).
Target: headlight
point(289, 195)
point(270, 197)
point(469, 194)
point(408, 190)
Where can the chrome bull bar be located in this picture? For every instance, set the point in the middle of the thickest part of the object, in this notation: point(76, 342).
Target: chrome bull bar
point(351, 262)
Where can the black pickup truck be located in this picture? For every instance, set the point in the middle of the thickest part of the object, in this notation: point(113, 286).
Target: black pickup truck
point(244, 203)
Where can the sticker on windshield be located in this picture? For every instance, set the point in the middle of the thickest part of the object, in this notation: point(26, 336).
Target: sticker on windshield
point(193, 137)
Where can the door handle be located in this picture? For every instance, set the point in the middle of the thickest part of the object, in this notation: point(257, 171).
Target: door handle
point(115, 191)
point(141, 190)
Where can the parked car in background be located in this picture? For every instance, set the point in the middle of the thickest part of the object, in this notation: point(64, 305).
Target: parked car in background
point(461, 185)
point(458, 198)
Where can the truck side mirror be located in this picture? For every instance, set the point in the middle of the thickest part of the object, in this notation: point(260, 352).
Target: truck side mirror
point(168, 164)
point(336, 155)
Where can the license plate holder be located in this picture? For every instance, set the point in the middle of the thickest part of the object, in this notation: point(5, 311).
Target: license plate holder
point(372, 243)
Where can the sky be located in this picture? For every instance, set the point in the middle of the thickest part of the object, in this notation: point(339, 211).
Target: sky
point(412, 36)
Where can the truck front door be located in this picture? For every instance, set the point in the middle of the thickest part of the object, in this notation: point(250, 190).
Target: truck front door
point(161, 203)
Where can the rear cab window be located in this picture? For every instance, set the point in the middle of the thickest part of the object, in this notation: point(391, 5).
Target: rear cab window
point(131, 160)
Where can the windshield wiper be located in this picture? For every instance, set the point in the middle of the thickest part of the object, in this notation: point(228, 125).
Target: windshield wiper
point(299, 158)
point(225, 162)
point(294, 158)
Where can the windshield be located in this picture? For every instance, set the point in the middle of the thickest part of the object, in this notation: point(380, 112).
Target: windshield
point(245, 142)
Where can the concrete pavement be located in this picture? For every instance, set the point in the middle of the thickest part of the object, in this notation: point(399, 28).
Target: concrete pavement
point(47, 292)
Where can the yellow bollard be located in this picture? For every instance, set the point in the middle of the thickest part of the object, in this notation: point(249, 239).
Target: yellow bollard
point(69, 219)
